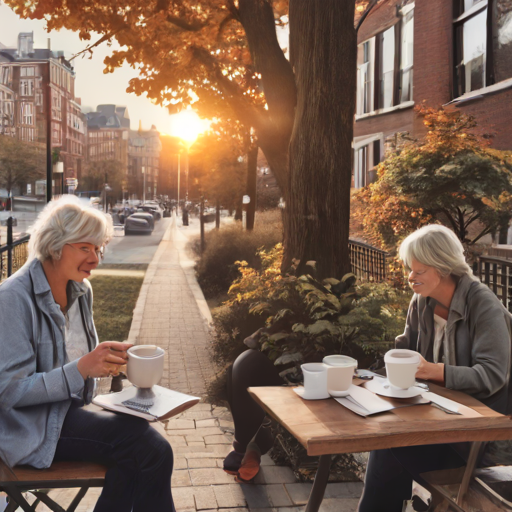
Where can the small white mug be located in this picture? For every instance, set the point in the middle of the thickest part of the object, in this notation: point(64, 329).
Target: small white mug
point(340, 371)
point(145, 365)
point(315, 381)
point(401, 367)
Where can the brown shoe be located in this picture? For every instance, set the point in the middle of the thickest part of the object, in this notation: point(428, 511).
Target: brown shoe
point(250, 466)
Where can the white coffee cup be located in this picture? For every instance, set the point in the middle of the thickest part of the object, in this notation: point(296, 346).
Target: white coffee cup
point(145, 365)
point(340, 371)
point(315, 381)
point(401, 367)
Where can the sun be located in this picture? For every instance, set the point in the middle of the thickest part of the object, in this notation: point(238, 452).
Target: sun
point(187, 125)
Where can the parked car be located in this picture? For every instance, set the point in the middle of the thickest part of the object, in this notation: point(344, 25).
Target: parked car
point(154, 209)
point(139, 222)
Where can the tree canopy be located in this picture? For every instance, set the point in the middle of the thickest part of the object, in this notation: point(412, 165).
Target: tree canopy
point(451, 177)
point(224, 56)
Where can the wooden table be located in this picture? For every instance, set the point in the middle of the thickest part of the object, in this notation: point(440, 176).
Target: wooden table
point(325, 428)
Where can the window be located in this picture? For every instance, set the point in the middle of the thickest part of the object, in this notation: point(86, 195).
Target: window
point(27, 113)
point(27, 71)
point(406, 57)
point(26, 87)
point(366, 157)
point(483, 44)
point(385, 44)
point(385, 66)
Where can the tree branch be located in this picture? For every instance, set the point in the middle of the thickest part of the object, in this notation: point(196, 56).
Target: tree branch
point(450, 218)
point(89, 48)
point(193, 26)
point(486, 231)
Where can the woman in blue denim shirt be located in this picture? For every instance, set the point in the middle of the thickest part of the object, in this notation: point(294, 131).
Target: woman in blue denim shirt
point(50, 358)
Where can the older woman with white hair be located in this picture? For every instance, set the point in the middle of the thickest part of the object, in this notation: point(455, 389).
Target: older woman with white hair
point(50, 356)
point(461, 331)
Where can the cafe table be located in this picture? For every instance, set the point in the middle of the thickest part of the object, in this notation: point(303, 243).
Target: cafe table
point(326, 428)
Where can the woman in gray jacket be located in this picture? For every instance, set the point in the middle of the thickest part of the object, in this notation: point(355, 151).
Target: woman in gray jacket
point(50, 358)
point(461, 331)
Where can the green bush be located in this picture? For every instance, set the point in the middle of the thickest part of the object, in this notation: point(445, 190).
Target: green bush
point(216, 268)
point(302, 319)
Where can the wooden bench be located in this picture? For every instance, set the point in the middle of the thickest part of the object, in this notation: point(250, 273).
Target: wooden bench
point(61, 475)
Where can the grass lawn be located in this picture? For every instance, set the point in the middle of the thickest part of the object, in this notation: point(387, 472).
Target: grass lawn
point(114, 302)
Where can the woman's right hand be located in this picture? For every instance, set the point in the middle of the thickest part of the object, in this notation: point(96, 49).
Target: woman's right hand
point(108, 358)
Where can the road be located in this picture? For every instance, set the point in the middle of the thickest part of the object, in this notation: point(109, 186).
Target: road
point(135, 249)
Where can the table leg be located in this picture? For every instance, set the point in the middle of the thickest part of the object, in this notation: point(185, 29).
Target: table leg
point(319, 485)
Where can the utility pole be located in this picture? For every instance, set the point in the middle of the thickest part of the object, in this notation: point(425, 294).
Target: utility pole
point(49, 171)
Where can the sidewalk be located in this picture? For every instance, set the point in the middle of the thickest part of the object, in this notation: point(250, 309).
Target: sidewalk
point(171, 312)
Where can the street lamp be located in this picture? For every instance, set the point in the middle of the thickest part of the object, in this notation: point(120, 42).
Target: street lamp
point(144, 185)
point(58, 168)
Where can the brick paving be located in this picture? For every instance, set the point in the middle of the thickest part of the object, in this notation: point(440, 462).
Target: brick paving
point(171, 313)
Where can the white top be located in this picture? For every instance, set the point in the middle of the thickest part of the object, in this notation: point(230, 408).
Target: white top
point(76, 337)
point(439, 335)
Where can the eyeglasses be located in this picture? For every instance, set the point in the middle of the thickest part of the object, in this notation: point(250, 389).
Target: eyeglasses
point(99, 252)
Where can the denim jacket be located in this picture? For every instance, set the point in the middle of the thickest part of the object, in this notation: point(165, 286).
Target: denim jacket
point(37, 382)
point(478, 329)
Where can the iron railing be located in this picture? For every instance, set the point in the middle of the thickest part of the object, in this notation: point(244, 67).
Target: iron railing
point(496, 273)
point(368, 262)
point(13, 254)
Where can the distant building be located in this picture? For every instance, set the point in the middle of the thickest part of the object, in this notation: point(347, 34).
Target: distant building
point(108, 133)
point(144, 162)
point(452, 53)
point(25, 75)
point(168, 177)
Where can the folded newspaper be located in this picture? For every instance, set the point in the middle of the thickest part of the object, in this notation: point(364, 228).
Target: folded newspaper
point(365, 403)
point(167, 403)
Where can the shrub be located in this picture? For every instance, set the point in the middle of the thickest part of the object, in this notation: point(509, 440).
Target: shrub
point(300, 319)
point(216, 268)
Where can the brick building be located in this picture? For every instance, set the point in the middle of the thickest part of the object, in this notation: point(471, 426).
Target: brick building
point(453, 53)
point(144, 162)
point(25, 75)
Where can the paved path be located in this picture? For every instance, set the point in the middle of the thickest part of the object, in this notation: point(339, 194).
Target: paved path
point(171, 312)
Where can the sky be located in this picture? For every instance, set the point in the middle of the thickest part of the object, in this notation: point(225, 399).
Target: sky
point(92, 86)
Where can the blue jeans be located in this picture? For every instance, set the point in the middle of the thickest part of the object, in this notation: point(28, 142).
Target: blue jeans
point(139, 459)
point(390, 472)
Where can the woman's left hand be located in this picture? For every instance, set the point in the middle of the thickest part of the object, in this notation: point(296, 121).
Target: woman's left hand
point(430, 371)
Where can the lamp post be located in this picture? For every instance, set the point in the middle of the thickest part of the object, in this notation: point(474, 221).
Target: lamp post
point(178, 205)
point(58, 168)
point(143, 185)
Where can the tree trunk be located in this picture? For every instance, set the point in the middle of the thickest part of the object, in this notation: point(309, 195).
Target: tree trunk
point(252, 161)
point(217, 214)
point(323, 54)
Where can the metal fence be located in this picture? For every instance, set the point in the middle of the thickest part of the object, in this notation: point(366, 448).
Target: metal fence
point(13, 254)
point(496, 273)
point(368, 262)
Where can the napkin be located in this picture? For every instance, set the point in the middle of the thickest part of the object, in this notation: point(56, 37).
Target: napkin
point(443, 402)
point(364, 402)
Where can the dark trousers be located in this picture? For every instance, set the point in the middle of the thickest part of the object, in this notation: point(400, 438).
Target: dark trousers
point(251, 369)
point(140, 460)
point(389, 474)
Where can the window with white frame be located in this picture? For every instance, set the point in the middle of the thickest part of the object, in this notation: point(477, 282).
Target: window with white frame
point(27, 71)
point(385, 66)
point(367, 155)
point(365, 69)
point(27, 113)
point(407, 57)
point(483, 44)
point(26, 87)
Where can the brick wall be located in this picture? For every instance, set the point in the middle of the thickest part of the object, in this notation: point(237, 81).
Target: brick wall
point(433, 75)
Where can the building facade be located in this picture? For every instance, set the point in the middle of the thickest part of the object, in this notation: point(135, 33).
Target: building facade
point(144, 162)
point(34, 82)
point(451, 53)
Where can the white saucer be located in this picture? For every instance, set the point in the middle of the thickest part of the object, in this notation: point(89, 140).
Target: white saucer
point(339, 394)
point(383, 387)
point(310, 396)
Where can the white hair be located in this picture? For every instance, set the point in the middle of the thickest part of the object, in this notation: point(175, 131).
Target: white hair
point(65, 221)
point(438, 247)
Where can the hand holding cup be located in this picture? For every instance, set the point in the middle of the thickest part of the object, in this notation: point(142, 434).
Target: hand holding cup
point(108, 358)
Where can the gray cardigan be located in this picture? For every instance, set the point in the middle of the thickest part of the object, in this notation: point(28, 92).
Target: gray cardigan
point(37, 383)
point(478, 327)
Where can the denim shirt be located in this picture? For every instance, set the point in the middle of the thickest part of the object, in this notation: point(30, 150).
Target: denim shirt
point(37, 382)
